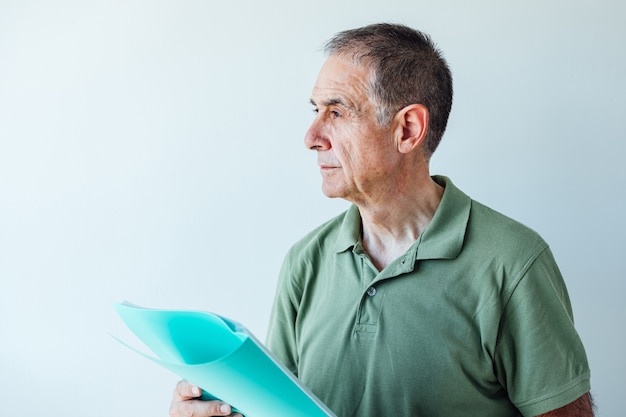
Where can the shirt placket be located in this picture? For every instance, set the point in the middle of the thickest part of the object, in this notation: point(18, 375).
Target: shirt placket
point(370, 301)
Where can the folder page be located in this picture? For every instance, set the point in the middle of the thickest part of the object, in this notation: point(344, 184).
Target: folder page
point(223, 358)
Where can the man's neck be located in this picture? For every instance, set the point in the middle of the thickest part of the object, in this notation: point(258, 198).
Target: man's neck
point(389, 230)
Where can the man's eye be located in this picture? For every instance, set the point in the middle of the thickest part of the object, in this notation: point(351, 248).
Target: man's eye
point(335, 113)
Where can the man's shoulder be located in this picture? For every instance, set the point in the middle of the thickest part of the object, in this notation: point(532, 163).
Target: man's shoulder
point(321, 236)
point(501, 231)
point(478, 228)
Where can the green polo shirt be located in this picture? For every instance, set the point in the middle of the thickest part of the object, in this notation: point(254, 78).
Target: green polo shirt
point(473, 320)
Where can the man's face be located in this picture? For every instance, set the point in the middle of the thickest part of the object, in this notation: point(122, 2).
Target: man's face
point(355, 154)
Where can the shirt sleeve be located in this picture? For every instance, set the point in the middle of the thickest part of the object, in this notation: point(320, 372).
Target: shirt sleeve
point(539, 356)
point(281, 336)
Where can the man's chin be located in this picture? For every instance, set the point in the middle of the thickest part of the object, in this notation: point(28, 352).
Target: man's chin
point(333, 192)
point(330, 192)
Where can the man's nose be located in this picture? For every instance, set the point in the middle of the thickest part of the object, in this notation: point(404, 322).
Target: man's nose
point(315, 137)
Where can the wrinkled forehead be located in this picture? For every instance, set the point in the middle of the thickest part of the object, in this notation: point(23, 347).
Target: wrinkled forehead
point(341, 76)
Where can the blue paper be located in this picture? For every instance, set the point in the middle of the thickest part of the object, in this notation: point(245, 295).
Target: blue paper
point(223, 358)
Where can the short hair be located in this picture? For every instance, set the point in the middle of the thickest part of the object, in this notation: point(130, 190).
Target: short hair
point(406, 67)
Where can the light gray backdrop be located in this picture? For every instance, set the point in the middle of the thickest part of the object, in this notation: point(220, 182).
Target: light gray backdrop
point(152, 151)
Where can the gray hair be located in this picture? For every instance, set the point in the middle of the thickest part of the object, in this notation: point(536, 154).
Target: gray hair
point(406, 68)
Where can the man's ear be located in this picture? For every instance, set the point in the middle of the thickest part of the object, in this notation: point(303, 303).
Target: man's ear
point(412, 127)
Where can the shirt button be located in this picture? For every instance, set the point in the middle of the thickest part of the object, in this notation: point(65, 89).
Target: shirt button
point(371, 291)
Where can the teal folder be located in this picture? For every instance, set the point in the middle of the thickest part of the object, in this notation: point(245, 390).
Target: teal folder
point(223, 358)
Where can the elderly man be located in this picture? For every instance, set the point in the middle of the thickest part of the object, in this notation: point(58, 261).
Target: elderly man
point(416, 301)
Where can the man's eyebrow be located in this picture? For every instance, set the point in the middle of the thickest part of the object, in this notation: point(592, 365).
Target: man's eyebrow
point(330, 102)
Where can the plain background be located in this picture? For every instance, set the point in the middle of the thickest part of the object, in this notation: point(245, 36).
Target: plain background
point(152, 151)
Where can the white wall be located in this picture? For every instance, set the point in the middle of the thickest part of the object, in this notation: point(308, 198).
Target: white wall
point(152, 151)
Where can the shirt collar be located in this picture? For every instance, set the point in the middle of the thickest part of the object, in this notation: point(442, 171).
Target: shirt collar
point(349, 231)
point(443, 237)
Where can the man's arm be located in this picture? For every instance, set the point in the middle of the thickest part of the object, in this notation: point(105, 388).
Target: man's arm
point(582, 407)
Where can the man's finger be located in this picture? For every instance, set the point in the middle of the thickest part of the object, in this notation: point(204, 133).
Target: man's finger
point(197, 408)
point(186, 390)
point(186, 403)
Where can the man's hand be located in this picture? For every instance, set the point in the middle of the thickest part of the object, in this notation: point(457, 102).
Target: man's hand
point(186, 403)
